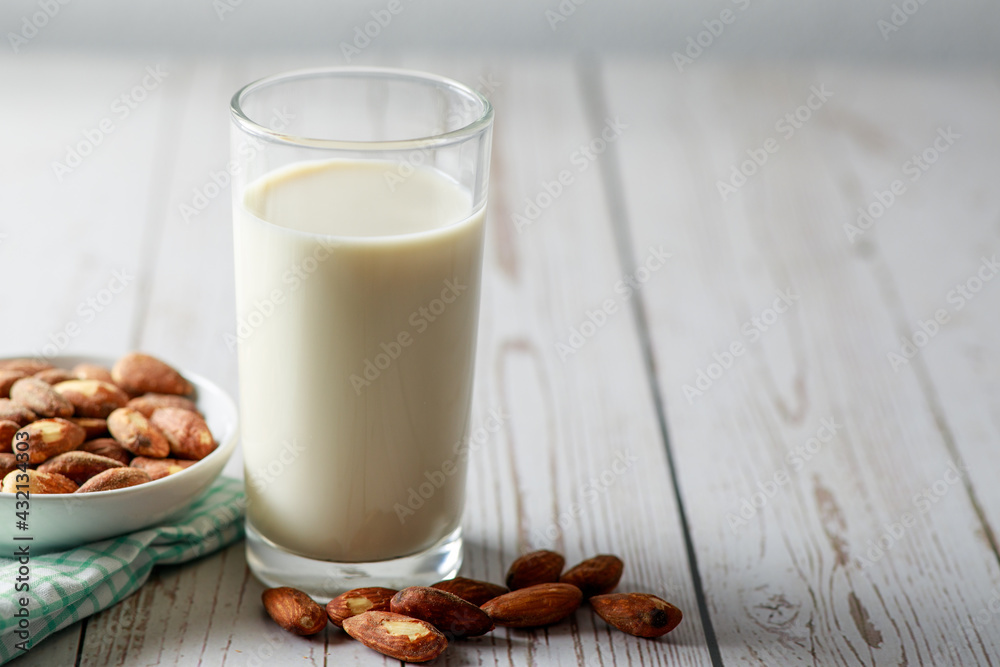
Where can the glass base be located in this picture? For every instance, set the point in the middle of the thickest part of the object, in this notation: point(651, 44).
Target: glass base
point(324, 580)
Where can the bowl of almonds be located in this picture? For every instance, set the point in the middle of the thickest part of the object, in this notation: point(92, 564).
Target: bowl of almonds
point(94, 447)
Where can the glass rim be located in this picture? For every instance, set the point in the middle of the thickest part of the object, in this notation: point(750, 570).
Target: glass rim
point(247, 124)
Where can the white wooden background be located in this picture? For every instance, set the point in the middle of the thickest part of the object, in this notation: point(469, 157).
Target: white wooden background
point(799, 579)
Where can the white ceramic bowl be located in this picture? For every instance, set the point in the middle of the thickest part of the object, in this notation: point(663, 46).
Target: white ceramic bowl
point(64, 520)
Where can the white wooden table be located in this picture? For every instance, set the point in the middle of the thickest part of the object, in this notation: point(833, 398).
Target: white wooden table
point(733, 426)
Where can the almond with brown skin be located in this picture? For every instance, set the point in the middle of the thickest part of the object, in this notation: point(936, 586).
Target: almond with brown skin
point(534, 606)
point(147, 404)
point(447, 612)
point(114, 478)
point(92, 398)
point(92, 372)
point(16, 412)
point(537, 567)
point(186, 432)
point(26, 366)
point(47, 438)
point(95, 428)
point(7, 431)
point(160, 468)
point(52, 376)
point(397, 636)
point(8, 462)
point(472, 591)
point(37, 482)
point(357, 601)
point(139, 373)
point(79, 466)
point(40, 398)
point(639, 614)
point(7, 379)
point(293, 610)
point(595, 576)
point(133, 431)
point(107, 447)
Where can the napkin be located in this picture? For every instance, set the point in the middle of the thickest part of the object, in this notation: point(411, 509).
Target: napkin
point(70, 585)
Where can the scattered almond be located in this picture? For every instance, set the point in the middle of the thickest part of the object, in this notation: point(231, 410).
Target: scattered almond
point(293, 610)
point(595, 576)
point(114, 478)
point(139, 373)
point(358, 601)
point(160, 468)
point(52, 376)
point(15, 412)
point(79, 466)
point(147, 404)
point(7, 431)
point(8, 462)
point(92, 398)
point(95, 428)
point(186, 432)
point(134, 432)
point(397, 636)
point(534, 606)
point(47, 438)
point(472, 591)
point(537, 567)
point(7, 379)
point(40, 398)
point(639, 614)
point(92, 372)
point(108, 447)
point(37, 482)
point(447, 612)
point(26, 366)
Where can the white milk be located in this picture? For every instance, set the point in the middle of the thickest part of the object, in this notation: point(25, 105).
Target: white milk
point(356, 355)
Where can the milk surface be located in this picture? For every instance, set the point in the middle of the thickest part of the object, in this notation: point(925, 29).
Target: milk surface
point(357, 302)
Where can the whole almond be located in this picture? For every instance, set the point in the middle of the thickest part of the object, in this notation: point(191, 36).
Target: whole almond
point(139, 373)
point(7, 431)
point(134, 432)
point(92, 372)
point(15, 412)
point(449, 613)
point(79, 466)
point(186, 432)
point(595, 576)
point(114, 478)
point(40, 398)
point(293, 610)
point(52, 376)
point(46, 438)
point(472, 591)
point(92, 398)
point(7, 379)
point(8, 462)
point(147, 404)
point(95, 428)
point(639, 614)
point(37, 482)
point(534, 606)
point(357, 601)
point(160, 468)
point(537, 567)
point(26, 366)
point(108, 447)
point(397, 636)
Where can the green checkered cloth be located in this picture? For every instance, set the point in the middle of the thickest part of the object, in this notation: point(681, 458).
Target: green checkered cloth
point(70, 585)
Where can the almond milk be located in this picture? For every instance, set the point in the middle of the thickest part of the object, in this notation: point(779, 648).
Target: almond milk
point(357, 298)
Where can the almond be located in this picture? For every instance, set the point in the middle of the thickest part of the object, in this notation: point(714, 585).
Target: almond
point(134, 432)
point(534, 606)
point(397, 636)
point(37, 482)
point(16, 412)
point(54, 375)
point(639, 614)
point(114, 478)
point(95, 428)
point(79, 466)
point(293, 610)
point(47, 438)
point(160, 468)
point(447, 612)
point(107, 447)
point(147, 404)
point(8, 462)
point(472, 591)
point(358, 601)
point(26, 366)
point(92, 398)
point(7, 431)
point(7, 379)
point(595, 576)
point(92, 372)
point(537, 567)
point(186, 432)
point(139, 373)
point(40, 398)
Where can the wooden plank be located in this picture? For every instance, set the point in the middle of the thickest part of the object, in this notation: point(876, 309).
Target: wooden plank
point(798, 578)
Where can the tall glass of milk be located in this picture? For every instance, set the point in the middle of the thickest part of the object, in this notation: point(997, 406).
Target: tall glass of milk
point(359, 198)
